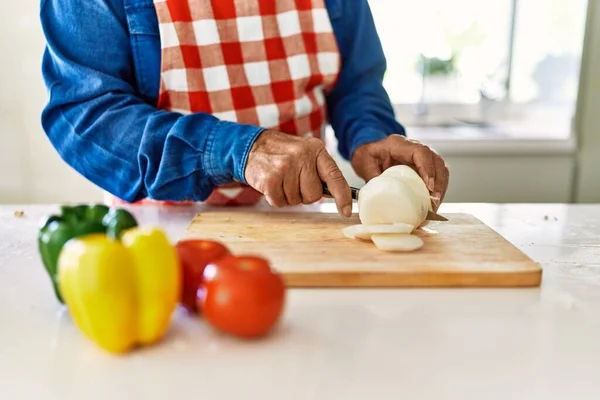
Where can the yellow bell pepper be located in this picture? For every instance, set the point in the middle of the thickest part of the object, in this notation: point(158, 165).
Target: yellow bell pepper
point(121, 294)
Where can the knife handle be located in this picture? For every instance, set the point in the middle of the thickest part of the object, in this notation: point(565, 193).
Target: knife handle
point(327, 193)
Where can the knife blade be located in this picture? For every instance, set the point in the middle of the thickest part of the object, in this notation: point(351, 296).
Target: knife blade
point(431, 216)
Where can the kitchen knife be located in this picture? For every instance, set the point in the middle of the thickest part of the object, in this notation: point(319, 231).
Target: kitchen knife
point(431, 216)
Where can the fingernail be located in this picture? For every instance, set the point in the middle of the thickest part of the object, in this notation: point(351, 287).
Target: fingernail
point(347, 211)
point(437, 195)
point(431, 184)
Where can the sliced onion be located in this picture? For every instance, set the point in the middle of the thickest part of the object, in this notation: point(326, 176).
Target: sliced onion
point(396, 198)
point(385, 200)
point(397, 242)
point(364, 232)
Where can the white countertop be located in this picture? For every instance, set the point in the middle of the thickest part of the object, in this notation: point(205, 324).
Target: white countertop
point(541, 343)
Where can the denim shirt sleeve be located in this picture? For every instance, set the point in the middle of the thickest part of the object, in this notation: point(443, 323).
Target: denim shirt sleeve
point(104, 130)
point(359, 108)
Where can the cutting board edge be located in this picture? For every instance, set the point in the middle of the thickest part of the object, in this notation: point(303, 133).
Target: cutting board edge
point(532, 278)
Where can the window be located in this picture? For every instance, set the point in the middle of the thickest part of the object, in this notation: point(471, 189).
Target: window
point(483, 63)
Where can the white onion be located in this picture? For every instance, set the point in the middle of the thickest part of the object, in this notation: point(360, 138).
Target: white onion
point(399, 195)
point(364, 232)
point(410, 176)
point(397, 242)
point(401, 172)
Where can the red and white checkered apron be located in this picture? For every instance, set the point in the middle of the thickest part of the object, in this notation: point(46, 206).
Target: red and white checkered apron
point(267, 63)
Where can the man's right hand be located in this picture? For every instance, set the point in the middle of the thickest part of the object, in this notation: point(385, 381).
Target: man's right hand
point(290, 170)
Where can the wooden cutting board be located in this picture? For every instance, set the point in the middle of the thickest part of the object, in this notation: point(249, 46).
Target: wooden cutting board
point(310, 250)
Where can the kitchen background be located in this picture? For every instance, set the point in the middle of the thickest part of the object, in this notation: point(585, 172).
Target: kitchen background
point(507, 90)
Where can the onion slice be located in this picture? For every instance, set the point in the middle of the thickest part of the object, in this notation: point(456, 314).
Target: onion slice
point(397, 242)
point(364, 232)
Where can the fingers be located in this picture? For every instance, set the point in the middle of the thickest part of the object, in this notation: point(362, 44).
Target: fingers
point(423, 160)
point(266, 164)
point(274, 193)
point(311, 186)
point(291, 188)
point(330, 173)
point(411, 152)
point(442, 178)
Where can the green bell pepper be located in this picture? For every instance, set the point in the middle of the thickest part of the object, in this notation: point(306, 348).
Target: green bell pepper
point(117, 221)
point(73, 222)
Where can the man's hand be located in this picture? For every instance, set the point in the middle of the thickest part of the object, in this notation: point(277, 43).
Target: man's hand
point(371, 159)
point(290, 170)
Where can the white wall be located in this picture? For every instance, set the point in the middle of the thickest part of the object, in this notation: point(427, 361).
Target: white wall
point(31, 171)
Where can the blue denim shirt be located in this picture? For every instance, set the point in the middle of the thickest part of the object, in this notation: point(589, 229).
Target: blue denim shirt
point(102, 71)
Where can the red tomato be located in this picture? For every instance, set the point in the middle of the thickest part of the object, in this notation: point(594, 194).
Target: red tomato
point(195, 255)
point(242, 296)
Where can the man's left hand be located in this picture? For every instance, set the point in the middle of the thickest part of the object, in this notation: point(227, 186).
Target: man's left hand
point(371, 159)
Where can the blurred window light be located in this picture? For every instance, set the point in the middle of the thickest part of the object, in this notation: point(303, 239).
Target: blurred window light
point(467, 52)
